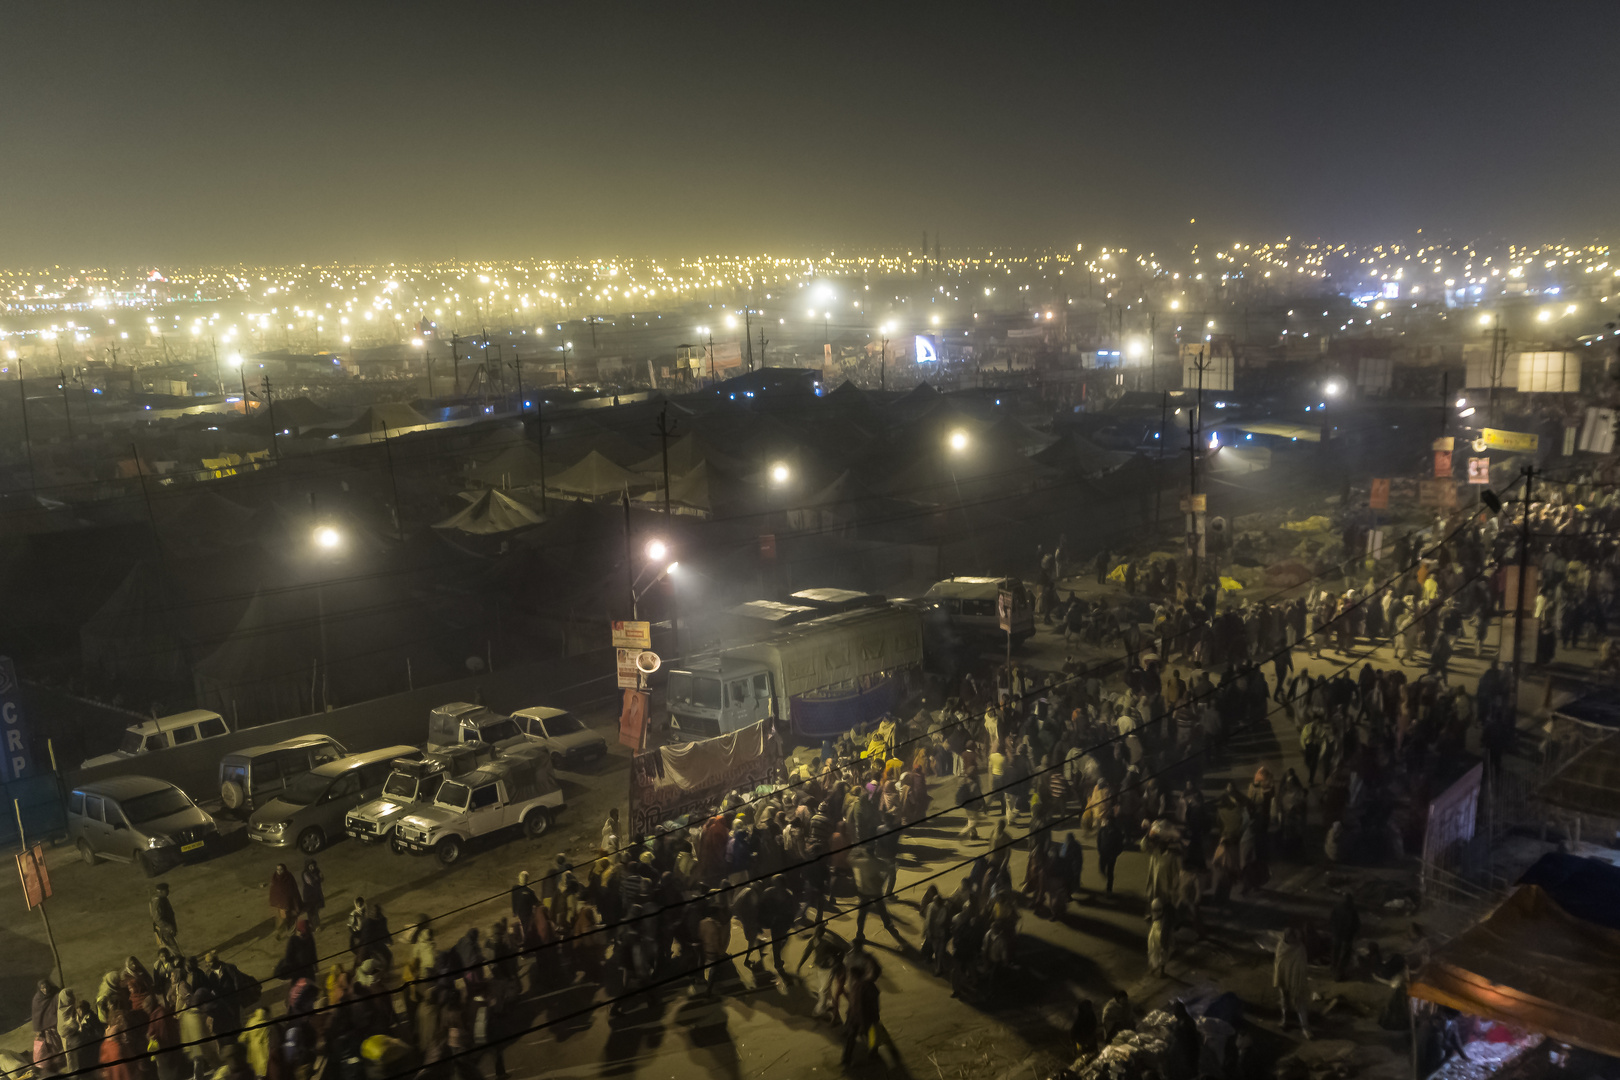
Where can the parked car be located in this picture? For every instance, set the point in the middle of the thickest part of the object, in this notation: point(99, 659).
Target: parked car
point(459, 722)
point(412, 781)
point(515, 790)
point(309, 812)
point(572, 744)
point(160, 734)
point(137, 819)
point(251, 777)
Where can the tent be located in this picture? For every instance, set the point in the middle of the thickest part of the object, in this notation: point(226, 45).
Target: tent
point(595, 477)
point(686, 454)
point(490, 512)
point(1586, 888)
point(516, 466)
point(390, 418)
point(688, 494)
point(1533, 965)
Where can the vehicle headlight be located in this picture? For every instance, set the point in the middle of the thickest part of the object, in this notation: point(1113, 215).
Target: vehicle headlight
point(275, 827)
point(159, 841)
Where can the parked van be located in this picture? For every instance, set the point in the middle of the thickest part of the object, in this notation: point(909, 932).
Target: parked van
point(137, 819)
point(162, 733)
point(309, 812)
point(251, 777)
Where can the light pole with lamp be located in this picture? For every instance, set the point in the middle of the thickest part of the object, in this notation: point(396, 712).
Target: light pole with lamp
point(328, 541)
point(427, 358)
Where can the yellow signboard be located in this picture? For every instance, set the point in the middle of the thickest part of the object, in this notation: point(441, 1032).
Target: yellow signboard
point(632, 635)
point(1497, 439)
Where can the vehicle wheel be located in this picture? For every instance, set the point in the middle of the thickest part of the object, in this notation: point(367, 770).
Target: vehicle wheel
point(311, 840)
point(556, 761)
point(231, 794)
point(147, 864)
point(448, 850)
point(87, 853)
point(537, 822)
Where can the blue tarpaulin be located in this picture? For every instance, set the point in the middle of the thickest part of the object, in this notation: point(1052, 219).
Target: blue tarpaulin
point(1589, 889)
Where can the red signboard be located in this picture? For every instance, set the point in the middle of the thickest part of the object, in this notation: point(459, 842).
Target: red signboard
point(1442, 464)
point(1378, 496)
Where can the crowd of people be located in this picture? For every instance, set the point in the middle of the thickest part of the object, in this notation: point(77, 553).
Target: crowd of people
point(1070, 769)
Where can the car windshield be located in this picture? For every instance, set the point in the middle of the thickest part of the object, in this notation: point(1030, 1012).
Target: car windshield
point(453, 796)
point(155, 805)
point(131, 743)
point(306, 789)
point(563, 725)
point(499, 731)
point(400, 786)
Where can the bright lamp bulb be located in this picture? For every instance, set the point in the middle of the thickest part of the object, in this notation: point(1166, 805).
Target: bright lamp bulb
point(656, 550)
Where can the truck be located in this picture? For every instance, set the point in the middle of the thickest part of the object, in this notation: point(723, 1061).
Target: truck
point(412, 781)
point(821, 677)
point(515, 790)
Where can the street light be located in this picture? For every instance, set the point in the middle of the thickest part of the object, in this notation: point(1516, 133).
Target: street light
point(656, 550)
point(959, 440)
point(328, 537)
point(779, 473)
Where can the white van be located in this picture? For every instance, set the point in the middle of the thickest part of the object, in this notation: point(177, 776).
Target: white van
point(162, 733)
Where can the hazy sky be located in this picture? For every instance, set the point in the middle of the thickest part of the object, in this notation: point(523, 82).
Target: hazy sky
point(169, 131)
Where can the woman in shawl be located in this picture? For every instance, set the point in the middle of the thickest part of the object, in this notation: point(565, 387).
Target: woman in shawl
point(889, 799)
point(163, 1036)
point(110, 997)
point(47, 1038)
point(257, 1042)
point(284, 898)
point(312, 897)
point(137, 984)
point(76, 1025)
point(122, 1057)
point(298, 961)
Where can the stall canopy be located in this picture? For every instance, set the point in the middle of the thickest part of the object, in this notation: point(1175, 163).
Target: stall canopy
point(1586, 888)
point(1536, 966)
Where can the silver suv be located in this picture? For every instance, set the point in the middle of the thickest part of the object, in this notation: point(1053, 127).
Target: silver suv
point(251, 777)
point(310, 812)
point(137, 819)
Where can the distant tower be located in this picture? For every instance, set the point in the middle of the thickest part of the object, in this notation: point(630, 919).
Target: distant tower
point(936, 246)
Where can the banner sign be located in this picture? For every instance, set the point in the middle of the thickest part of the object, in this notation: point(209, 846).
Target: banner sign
point(633, 719)
point(16, 760)
point(36, 878)
point(1479, 470)
point(632, 635)
point(1441, 494)
point(629, 674)
point(1378, 494)
point(692, 778)
point(1442, 464)
point(1496, 439)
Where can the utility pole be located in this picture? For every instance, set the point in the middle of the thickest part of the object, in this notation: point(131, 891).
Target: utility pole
point(566, 350)
point(762, 343)
point(540, 437)
point(219, 373)
point(28, 442)
point(1445, 386)
point(629, 564)
point(665, 430)
point(270, 411)
point(883, 352)
point(393, 482)
point(711, 355)
point(1153, 359)
point(1524, 573)
point(517, 366)
point(61, 376)
point(748, 335)
point(1158, 486)
point(22, 840)
point(593, 333)
point(1194, 447)
point(455, 359)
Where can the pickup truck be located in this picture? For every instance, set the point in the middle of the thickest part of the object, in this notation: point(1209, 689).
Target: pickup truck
point(413, 781)
point(515, 790)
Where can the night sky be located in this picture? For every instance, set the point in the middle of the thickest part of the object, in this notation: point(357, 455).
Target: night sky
point(174, 132)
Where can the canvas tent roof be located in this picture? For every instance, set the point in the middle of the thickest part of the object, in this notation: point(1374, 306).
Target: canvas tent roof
point(690, 491)
point(595, 476)
point(1534, 965)
point(516, 466)
point(491, 511)
point(686, 454)
point(390, 417)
